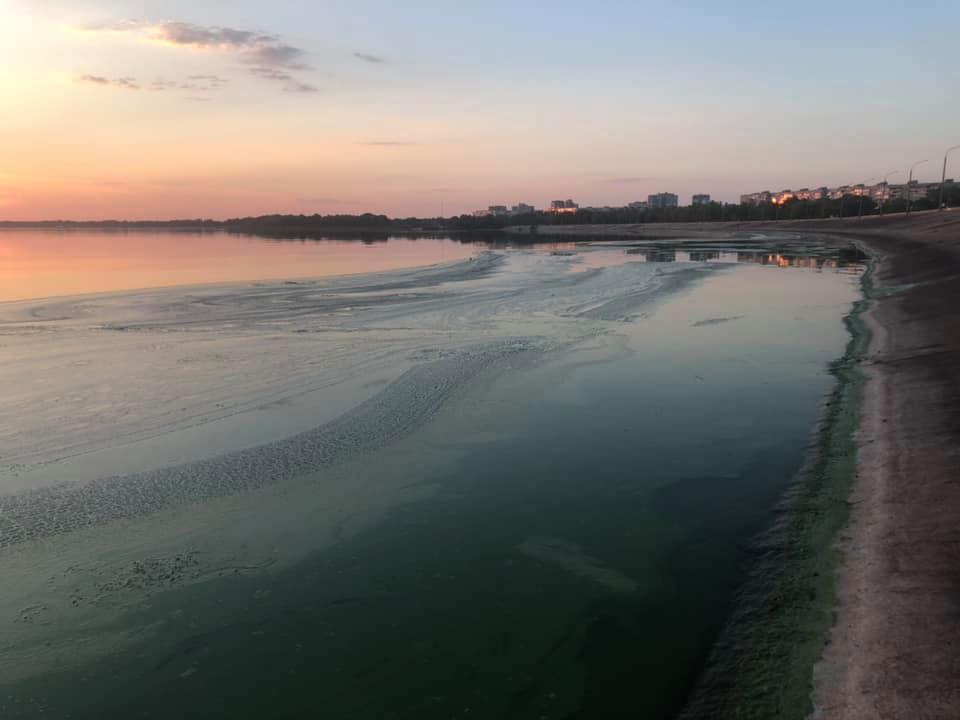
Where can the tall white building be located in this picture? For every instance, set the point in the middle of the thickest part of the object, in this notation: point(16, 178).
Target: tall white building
point(663, 200)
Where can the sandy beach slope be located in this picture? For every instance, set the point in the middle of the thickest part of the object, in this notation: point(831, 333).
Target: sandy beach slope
point(895, 650)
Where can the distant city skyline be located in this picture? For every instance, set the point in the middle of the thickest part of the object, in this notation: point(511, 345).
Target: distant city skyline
point(879, 191)
point(137, 109)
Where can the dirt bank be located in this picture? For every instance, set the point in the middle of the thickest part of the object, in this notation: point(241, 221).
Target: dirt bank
point(895, 650)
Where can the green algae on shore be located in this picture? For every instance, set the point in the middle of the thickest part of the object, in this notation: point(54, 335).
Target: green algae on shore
point(762, 665)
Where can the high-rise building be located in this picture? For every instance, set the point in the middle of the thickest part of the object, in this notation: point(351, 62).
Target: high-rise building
point(522, 209)
point(702, 199)
point(756, 198)
point(915, 190)
point(879, 192)
point(663, 200)
point(563, 206)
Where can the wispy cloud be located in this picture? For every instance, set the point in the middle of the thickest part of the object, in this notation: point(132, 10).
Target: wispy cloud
point(290, 83)
point(267, 55)
point(268, 73)
point(367, 57)
point(296, 86)
point(204, 83)
point(94, 79)
point(193, 83)
point(212, 79)
point(126, 83)
point(253, 47)
point(285, 56)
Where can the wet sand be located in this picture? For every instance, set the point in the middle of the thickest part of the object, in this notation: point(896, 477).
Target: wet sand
point(894, 649)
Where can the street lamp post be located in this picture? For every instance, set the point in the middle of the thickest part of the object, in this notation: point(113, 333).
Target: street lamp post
point(910, 183)
point(886, 188)
point(862, 190)
point(943, 177)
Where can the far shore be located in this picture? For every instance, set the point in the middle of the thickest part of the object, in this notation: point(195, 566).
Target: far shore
point(917, 222)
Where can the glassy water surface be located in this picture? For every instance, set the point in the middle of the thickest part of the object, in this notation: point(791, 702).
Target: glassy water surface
point(43, 263)
point(559, 536)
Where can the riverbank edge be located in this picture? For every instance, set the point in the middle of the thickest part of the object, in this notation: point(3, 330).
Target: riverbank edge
point(762, 665)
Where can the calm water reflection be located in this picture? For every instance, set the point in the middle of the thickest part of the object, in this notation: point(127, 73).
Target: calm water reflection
point(574, 531)
point(45, 263)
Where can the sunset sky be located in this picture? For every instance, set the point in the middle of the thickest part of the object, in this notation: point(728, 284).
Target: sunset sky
point(218, 108)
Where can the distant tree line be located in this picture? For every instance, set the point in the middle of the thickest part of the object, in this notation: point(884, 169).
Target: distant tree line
point(279, 226)
point(370, 225)
point(306, 225)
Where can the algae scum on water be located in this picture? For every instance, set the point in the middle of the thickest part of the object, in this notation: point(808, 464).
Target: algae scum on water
point(520, 486)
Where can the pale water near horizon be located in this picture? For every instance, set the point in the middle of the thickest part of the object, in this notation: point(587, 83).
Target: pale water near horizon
point(41, 263)
point(518, 485)
point(37, 263)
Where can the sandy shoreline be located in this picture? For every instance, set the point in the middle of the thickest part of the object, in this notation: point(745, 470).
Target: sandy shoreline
point(893, 652)
point(893, 649)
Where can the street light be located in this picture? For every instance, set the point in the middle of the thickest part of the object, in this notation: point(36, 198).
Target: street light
point(943, 177)
point(910, 183)
point(886, 189)
point(862, 190)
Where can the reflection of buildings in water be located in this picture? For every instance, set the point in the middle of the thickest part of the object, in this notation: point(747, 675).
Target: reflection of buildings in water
point(661, 256)
point(768, 258)
point(705, 256)
point(811, 262)
point(773, 259)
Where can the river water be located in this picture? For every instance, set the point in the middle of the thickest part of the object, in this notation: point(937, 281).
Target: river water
point(516, 483)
